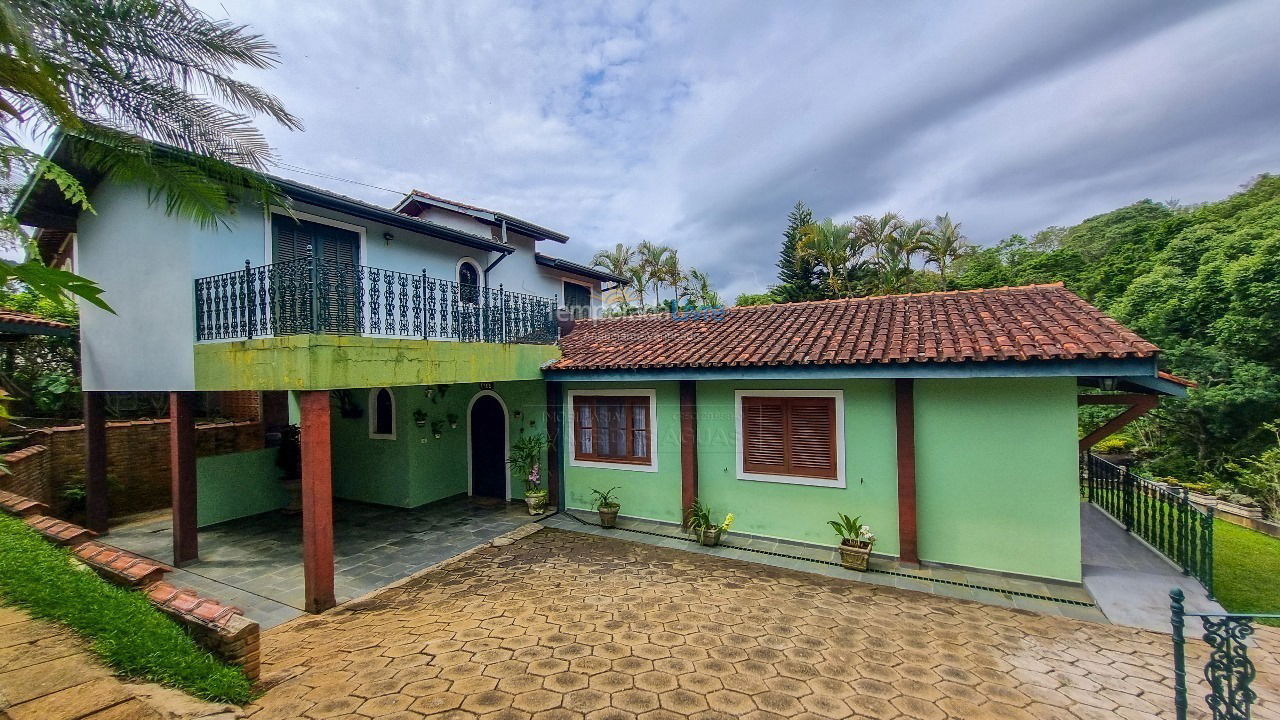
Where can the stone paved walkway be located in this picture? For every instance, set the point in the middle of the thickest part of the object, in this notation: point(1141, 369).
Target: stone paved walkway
point(46, 673)
point(255, 563)
point(570, 625)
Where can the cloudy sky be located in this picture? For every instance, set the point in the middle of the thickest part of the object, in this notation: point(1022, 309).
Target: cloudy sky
point(699, 124)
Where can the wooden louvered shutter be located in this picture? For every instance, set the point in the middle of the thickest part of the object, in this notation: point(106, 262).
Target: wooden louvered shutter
point(794, 436)
point(764, 435)
point(811, 437)
point(339, 251)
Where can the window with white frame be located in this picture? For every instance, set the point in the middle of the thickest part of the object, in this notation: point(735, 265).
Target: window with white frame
point(382, 414)
point(791, 436)
point(613, 428)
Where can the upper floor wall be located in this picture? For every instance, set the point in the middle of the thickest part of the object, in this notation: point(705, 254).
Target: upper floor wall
point(147, 262)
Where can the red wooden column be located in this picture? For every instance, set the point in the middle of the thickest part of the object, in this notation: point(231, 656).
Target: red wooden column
point(317, 501)
point(688, 445)
point(97, 511)
point(182, 476)
point(905, 407)
point(555, 443)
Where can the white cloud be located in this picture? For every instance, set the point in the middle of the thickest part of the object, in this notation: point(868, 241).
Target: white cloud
point(700, 124)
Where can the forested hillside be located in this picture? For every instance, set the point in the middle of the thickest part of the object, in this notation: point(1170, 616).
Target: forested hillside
point(1204, 284)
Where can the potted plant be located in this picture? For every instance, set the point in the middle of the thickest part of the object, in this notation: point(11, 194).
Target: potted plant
point(437, 429)
point(856, 540)
point(526, 460)
point(699, 522)
point(607, 505)
point(420, 417)
point(453, 421)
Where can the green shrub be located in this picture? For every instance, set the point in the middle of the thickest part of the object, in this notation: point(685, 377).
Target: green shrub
point(1115, 444)
point(120, 624)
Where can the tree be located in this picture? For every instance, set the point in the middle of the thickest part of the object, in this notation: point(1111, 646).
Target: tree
point(650, 256)
point(617, 261)
point(113, 76)
point(637, 279)
point(942, 246)
point(833, 247)
point(747, 299)
point(796, 278)
point(698, 291)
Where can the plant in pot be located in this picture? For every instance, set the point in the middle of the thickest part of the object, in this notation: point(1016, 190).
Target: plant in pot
point(607, 505)
point(437, 429)
point(699, 522)
point(453, 420)
point(420, 417)
point(526, 460)
point(856, 540)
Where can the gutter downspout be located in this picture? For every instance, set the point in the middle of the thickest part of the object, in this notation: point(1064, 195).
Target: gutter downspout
point(501, 257)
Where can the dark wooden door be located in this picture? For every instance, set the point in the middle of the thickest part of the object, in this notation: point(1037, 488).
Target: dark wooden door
point(577, 300)
point(335, 296)
point(488, 448)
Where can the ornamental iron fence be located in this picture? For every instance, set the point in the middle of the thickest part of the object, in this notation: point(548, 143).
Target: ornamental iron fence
point(1228, 672)
point(314, 296)
point(1162, 515)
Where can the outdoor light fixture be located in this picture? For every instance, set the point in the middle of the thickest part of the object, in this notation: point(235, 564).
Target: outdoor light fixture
point(1107, 383)
point(388, 237)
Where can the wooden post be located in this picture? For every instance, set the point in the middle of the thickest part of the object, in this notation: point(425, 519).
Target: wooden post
point(1139, 405)
point(688, 445)
point(555, 444)
point(317, 501)
point(182, 476)
point(904, 395)
point(97, 510)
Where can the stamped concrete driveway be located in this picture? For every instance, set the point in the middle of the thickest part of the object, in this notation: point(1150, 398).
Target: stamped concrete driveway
point(568, 625)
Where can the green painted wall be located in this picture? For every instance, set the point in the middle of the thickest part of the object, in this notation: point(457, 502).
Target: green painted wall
point(996, 471)
point(996, 474)
point(237, 485)
point(644, 494)
point(417, 468)
point(326, 362)
point(801, 512)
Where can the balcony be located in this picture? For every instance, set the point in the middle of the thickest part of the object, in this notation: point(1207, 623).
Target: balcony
point(312, 324)
point(312, 296)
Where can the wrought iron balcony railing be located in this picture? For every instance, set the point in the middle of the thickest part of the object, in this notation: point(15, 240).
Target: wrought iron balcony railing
point(1162, 515)
point(1228, 673)
point(312, 296)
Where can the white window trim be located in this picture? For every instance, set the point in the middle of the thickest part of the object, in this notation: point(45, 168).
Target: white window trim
point(357, 229)
point(839, 482)
point(572, 438)
point(373, 414)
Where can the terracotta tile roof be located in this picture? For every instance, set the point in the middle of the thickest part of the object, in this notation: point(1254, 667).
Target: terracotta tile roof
point(21, 318)
point(1032, 322)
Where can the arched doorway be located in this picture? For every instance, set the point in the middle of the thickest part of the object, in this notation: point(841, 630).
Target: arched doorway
point(487, 441)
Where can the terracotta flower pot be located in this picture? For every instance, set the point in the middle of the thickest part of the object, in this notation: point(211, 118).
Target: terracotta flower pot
point(608, 515)
point(855, 556)
point(537, 501)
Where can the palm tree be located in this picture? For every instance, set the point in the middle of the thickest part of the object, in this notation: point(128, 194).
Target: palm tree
point(652, 257)
point(943, 245)
point(120, 75)
point(911, 239)
point(616, 262)
point(833, 247)
point(672, 274)
point(637, 277)
point(697, 289)
point(881, 234)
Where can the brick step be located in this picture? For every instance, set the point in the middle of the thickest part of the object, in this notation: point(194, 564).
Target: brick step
point(21, 506)
point(120, 566)
point(59, 531)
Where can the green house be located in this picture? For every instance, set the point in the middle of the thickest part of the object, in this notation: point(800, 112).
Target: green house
point(413, 345)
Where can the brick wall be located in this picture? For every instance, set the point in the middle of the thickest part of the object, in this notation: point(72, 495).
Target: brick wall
point(240, 404)
point(137, 461)
point(27, 474)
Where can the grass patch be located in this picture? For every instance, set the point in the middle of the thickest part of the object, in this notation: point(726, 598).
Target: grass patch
point(1246, 570)
point(120, 624)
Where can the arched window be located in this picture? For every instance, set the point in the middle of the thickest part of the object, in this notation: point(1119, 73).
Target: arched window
point(468, 282)
point(382, 414)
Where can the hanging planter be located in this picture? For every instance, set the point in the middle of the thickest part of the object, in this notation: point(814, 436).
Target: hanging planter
point(453, 421)
point(419, 418)
point(437, 429)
